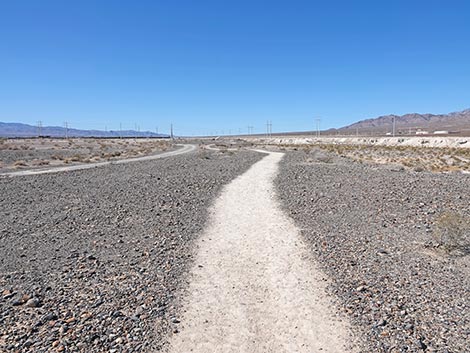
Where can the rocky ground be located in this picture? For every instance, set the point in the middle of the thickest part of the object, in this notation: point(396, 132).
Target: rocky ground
point(395, 244)
point(91, 260)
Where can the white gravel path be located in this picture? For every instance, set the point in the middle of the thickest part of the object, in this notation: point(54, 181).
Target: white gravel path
point(252, 288)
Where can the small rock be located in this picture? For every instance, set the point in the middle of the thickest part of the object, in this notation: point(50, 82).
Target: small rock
point(33, 303)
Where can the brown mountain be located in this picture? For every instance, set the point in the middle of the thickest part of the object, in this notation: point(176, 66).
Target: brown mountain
point(457, 122)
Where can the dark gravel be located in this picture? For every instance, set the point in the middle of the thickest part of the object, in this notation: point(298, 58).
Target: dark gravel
point(92, 260)
point(370, 228)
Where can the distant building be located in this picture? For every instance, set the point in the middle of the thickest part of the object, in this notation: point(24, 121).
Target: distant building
point(421, 132)
point(441, 132)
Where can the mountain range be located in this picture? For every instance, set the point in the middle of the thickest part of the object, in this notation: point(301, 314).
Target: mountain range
point(25, 130)
point(456, 122)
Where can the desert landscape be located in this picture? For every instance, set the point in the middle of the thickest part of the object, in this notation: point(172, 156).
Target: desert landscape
point(234, 176)
point(107, 259)
point(17, 154)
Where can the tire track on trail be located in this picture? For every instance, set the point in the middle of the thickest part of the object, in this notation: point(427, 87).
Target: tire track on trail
point(253, 287)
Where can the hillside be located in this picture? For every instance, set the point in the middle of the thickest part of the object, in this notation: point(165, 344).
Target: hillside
point(453, 122)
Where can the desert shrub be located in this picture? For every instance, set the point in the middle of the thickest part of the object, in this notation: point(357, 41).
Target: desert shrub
point(323, 157)
point(39, 162)
point(20, 163)
point(452, 232)
point(203, 154)
point(76, 158)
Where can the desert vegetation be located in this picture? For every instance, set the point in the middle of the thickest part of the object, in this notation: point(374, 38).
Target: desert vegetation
point(415, 158)
point(452, 233)
point(36, 153)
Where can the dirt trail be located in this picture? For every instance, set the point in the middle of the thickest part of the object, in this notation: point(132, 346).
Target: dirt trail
point(252, 287)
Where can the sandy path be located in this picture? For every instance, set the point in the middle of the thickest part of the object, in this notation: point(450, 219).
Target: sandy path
point(252, 288)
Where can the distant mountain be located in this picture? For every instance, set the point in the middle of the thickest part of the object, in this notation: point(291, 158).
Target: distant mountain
point(24, 130)
point(452, 122)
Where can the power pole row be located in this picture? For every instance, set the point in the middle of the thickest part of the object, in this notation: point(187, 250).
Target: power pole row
point(317, 121)
point(269, 128)
point(39, 127)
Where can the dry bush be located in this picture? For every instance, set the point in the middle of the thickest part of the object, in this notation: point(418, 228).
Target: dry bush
point(39, 162)
point(203, 154)
point(74, 158)
point(20, 163)
point(452, 232)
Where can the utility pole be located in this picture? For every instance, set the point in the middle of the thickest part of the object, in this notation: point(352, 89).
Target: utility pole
point(39, 128)
point(317, 121)
point(120, 130)
point(250, 130)
point(66, 126)
point(269, 128)
point(393, 129)
point(156, 130)
point(171, 131)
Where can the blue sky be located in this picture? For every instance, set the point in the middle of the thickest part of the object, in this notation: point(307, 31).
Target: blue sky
point(209, 66)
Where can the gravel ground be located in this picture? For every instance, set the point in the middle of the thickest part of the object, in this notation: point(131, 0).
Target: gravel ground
point(92, 260)
point(371, 229)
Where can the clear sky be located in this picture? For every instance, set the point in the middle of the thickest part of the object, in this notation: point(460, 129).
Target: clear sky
point(218, 65)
